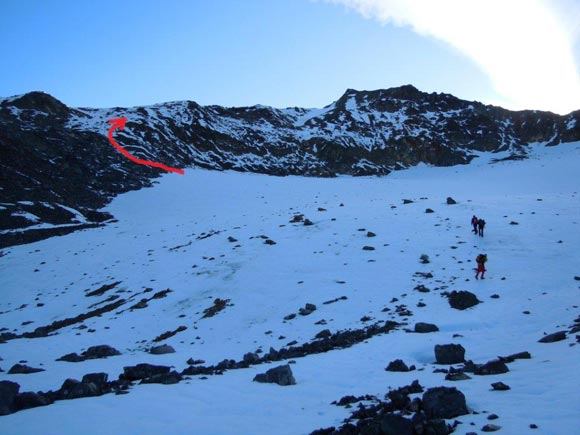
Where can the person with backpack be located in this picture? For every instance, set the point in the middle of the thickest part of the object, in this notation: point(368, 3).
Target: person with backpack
point(474, 222)
point(481, 260)
point(481, 226)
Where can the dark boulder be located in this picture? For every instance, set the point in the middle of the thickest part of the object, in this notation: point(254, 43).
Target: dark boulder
point(552, 338)
point(163, 378)
point(444, 402)
point(462, 299)
point(251, 358)
point(500, 386)
point(494, 367)
point(142, 371)
point(162, 349)
point(449, 353)
point(393, 424)
point(281, 375)
point(308, 309)
point(71, 357)
point(99, 379)
point(100, 351)
point(423, 328)
point(73, 389)
point(325, 333)
point(451, 201)
point(22, 369)
point(397, 366)
point(490, 428)
point(8, 392)
point(29, 399)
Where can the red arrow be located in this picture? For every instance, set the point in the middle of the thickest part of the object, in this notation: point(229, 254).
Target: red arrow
point(120, 123)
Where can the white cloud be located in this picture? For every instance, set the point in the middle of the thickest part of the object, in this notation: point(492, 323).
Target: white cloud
point(526, 47)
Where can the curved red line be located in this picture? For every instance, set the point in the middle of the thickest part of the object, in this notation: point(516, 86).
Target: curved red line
point(137, 160)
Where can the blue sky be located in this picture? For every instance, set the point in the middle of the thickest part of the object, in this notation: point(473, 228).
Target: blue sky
point(275, 52)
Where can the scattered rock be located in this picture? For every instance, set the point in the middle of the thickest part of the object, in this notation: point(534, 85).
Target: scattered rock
point(451, 201)
point(251, 358)
point(397, 366)
point(449, 353)
point(423, 328)
point(269, 242)
point(23, 369)
point(281, 375)
point(161, 350)
point(142, 371)
point(218, 305)
point(407, 201)
point(163, 378)
point(395, 424)
point(290, 316)
point(325, 333)
point(428, 210)
point(308, 309)
point(307, 222)
point(444, 402)
point(73, 389)
point(100, 351)
point(458, 376)
point(494, 367)
point(462, 299)
point(421, 288)
point(371, 234)
point(500, 386)
point(29, 400)
point(424, 258)
point(8, 392)
point(368, 248)
point(490, 428)
point(99, 379)
point(552, 338)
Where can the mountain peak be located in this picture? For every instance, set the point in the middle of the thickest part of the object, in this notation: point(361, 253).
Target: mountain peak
point(41, 101)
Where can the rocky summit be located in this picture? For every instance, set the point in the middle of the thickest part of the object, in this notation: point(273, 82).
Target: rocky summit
point(58, 169)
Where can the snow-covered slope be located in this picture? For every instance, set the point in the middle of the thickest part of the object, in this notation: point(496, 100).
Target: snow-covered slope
point(175, 236)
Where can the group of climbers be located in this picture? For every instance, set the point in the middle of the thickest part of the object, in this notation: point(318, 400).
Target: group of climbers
point(478, 226)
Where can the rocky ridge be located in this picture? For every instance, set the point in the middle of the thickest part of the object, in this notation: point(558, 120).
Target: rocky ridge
point(58, 168)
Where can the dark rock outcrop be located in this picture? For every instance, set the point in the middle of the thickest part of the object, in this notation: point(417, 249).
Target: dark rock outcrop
point(281, 375)
point(444, 402)
point(8, 392)
point(554, 337)
point(463, 299)
point(23, 369)
point(423, 328)
point(449, 353)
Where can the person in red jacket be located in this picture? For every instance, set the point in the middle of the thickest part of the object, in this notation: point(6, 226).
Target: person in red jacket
point(481, 260)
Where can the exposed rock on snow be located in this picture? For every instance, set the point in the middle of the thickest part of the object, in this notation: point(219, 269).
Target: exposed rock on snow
point(444, 402)
point(161, 350)
point(422, 328)
point(552, 338)
point(23, 369)
point(461, 300)
point(449, 353)
point(281, 375)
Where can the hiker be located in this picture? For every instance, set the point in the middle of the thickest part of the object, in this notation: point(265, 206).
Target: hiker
point(481, 226)
point(474, 223)
point(481, 260)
